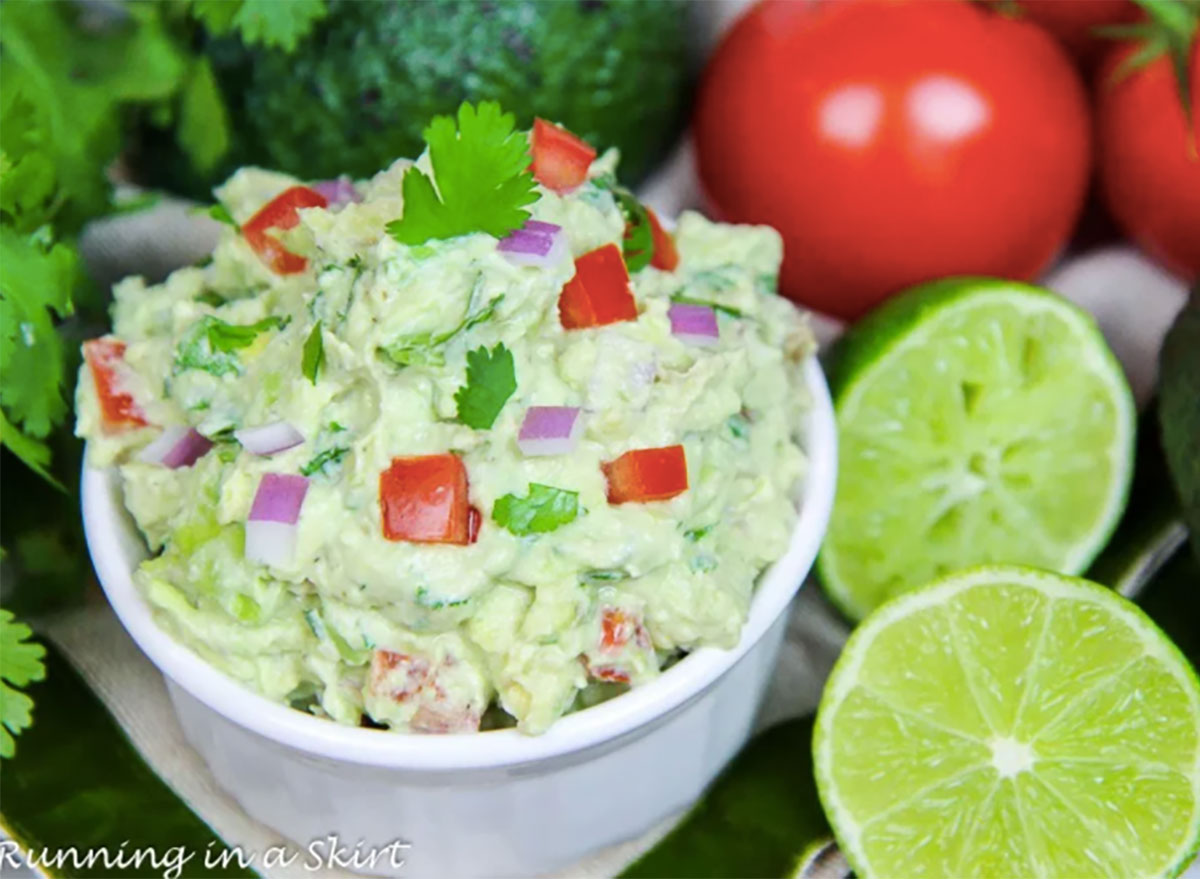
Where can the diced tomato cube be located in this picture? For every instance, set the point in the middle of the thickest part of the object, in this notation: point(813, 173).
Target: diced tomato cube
point(281, 213)
point(599, 293)
point(560, 159)
point(424, 500)
point(105, 359)
point(666, 257)
point(646, 475)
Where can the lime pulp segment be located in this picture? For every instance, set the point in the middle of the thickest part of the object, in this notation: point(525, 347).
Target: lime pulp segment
point(1006, 722)
point(985, 422)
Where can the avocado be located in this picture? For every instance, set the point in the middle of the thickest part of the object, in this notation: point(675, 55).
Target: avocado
point(1179, 410)
point(358, 91)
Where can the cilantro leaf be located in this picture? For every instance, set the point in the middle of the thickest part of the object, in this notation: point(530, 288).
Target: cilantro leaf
point(211, 344)
point(325, 461)
point(203, 128)
point(545, 509)
point(221, 214)
point(715, 306)
point(272, 23)
point(314, 354)
point(419, 349)
point(638, 244)
point(482, 175)
point(20, 664)
point(491, 380)
point(36, 281)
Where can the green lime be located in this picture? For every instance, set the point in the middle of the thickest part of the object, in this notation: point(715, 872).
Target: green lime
point(1008, 722)
point(979, 421)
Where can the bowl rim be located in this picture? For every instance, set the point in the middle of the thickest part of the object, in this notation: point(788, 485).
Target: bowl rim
point(115, 547)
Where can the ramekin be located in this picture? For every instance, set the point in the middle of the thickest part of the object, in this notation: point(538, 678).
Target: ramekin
point(498, 803)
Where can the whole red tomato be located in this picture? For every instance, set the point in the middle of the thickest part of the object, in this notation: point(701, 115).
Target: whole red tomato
point(1149, 167)
point(1074, 22)
point(892, 143)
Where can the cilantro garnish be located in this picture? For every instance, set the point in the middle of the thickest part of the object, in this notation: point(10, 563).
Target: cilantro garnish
point(221, 214)
point(269, 22)
point(603, 575)
point(638, 245)
point(314, 354)
point(420, 349)
point(491, 380)
point(715, 306)
point(36, 279)
point(545, 509)
point(20, 664)
point(211, 343)
point(325, 461)
point(696, 534)
point(482, 174)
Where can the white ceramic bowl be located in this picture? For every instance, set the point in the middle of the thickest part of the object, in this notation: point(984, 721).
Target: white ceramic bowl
point(488, 804)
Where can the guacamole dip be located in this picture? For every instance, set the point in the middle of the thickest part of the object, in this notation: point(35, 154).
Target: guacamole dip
point(477, 479)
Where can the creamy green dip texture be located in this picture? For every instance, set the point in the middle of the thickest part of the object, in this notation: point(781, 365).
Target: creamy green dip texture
point(442, 637)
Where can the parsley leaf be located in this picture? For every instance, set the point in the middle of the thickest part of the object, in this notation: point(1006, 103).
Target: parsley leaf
point(491, 380)
point(269, 22)
point(211, 343)
point(419, 349)
point(545, 509)
point(482, 174)
point(638, 244)
point(20, 664)
point(314, 354)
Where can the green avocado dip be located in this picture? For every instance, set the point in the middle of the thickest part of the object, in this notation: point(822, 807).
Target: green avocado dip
point(473, 443)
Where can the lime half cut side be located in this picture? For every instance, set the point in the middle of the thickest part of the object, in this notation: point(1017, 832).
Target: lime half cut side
point(1006, 722)
point(979, 422)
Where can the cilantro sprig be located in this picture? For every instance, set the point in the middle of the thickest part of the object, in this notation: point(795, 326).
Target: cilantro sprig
point(491, 380)
point(481, 180)
point(313, 358)
point(20, 664)
point(212, 344)
point(544, 509)
point(638, 244)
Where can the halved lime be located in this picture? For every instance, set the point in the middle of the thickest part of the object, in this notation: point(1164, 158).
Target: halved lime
point(1006, 722)
point(979, 421)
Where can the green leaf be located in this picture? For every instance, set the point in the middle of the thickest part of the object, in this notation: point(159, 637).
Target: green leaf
point(203, 128)
point(211, 344)
point(221, 214)
point(36, 282)
point(491, 380)
point(482, 174)
point(419, 349)
point(20, 664)
point(64, 87)
point(325, 461)
point(277, 24)
point(544, 509)
point(638, 243)
point(314, 354)
point(715, 306)
point(34, 453)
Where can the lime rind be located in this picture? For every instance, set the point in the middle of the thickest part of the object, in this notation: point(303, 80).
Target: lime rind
point(845, 675)
point(913, 321)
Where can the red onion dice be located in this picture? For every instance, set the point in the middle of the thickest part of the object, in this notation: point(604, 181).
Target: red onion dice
point(271, 528)
point(339, 192)
point(176, 447)
point(694, 324)
point(269, 438)
point(534, 244)
point(550, 430)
